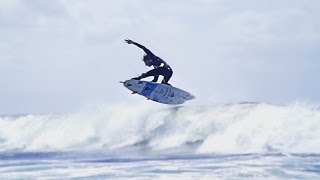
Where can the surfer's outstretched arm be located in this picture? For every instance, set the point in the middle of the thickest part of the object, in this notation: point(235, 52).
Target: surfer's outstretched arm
point(147, 51)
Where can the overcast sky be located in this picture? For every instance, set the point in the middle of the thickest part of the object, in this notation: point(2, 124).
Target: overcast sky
point(60, 55)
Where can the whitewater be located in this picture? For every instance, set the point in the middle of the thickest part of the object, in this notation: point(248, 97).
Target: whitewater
point(230, 141)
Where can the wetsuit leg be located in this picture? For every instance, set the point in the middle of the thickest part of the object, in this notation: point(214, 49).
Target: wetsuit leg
point(165, 72)
point(154, 72)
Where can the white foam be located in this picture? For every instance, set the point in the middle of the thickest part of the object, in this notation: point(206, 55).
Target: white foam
point(236, 128)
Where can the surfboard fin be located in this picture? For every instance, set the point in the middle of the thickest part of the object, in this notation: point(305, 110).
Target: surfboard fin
point(134, 93)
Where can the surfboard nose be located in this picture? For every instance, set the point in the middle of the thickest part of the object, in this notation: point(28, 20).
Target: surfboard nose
point(127, 83)
point(134, 85)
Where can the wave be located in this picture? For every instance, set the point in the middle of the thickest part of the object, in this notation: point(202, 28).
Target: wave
point(233, 128)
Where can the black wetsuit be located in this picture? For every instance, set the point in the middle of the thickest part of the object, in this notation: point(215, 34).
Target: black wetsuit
point(160, 67)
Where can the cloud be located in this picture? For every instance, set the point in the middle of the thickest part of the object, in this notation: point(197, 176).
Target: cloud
point(68, 52)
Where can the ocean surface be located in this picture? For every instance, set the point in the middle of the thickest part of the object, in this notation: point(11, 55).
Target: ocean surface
point(233, 141)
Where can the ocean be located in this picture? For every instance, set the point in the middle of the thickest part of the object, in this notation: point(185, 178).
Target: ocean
point(230, 141)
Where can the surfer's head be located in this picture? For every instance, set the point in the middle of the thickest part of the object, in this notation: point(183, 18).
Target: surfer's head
point(147, 60)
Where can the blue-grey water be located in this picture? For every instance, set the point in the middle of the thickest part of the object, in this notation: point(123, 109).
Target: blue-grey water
point(237, 141)
point(86, 166)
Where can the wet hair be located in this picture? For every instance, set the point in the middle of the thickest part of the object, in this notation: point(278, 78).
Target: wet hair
point(146, 58)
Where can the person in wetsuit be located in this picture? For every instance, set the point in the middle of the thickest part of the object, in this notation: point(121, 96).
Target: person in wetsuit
point(160, 66)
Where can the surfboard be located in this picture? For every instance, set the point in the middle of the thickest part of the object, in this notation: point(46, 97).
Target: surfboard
point(161, 93)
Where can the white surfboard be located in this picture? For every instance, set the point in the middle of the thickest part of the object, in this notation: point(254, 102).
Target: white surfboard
point(161, 93)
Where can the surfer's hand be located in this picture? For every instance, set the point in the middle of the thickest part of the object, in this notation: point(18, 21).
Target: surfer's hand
point(136, 78)
point(128, 41)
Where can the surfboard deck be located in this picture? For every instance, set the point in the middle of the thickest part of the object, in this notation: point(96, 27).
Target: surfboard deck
point(161, 93)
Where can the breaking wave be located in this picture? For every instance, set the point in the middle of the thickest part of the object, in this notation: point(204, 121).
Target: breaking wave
point(234, 128)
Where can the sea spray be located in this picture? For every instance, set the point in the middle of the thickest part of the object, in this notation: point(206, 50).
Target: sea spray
point(233, 128)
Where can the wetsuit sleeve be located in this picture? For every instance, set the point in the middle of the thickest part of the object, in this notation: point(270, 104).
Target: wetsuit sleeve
point(147, 51)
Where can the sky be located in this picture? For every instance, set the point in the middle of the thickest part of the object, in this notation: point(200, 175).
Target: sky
point(63, 55)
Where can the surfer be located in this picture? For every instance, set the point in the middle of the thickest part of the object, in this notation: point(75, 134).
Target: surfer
point(160, 66)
